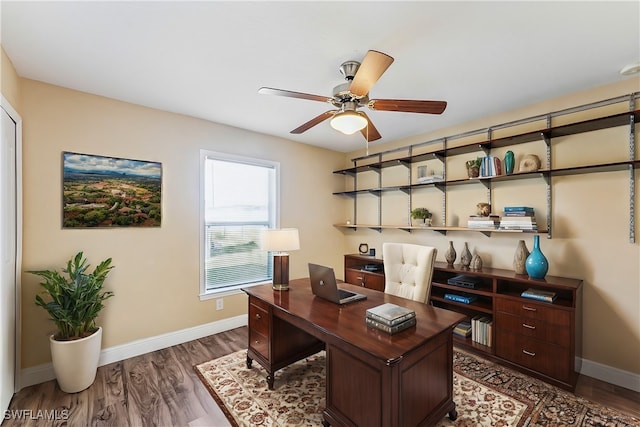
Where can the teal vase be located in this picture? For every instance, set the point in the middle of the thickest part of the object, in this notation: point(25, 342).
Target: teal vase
point(509, 162)
point(536, 264)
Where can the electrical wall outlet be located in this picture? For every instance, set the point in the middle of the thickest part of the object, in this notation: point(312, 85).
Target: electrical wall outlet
point(219, 304)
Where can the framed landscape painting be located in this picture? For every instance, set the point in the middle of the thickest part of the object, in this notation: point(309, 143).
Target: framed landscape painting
point(99, 191)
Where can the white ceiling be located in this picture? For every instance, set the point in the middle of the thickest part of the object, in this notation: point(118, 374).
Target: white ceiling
point(208, 59)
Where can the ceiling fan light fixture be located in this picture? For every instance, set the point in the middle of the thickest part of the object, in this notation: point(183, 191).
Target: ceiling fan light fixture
point(348, 122)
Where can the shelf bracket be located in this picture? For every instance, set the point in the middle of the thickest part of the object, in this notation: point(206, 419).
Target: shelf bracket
point(547, 177)
point(632, 181)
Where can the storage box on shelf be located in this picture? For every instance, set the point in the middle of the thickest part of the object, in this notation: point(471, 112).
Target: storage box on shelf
point(442, 150)
point(539, 337)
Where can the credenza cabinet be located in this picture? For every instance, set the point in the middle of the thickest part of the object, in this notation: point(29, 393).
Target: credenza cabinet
point(542, 339)
point(356, 272)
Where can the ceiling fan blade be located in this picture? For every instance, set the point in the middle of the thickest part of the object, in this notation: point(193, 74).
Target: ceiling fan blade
point(408, 106)
point(372, 67)
point(316, 120)
point(291, 94)
point(369, 132)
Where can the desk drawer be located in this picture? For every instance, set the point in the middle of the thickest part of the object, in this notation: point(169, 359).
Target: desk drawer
point(541, 356)
point(534, 310)
point(259, 343)
point(534, 328)
point(258, 319)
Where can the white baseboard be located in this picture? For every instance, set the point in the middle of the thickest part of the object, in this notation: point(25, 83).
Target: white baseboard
point(41, 373)
point(611, 375)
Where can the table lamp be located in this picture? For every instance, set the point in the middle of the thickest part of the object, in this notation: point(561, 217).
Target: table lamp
point(278, 241)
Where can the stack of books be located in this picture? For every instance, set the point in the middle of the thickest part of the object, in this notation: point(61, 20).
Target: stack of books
point(463, 329)
point(464, 299)
point(518, 218)
point(481, 330)
point(430, 179)
point(490, 166)
point(538, 295)
point(477, 221)
point(390, 318)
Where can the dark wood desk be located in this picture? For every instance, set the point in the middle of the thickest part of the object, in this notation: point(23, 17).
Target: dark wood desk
point(373, 378)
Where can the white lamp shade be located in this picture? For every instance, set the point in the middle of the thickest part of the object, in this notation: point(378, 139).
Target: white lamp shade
point(283, 239)
point(348, 122)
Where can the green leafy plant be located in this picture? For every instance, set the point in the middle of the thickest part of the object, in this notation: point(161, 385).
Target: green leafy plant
point(420, 213)
point(75, 300)
point(474, 163)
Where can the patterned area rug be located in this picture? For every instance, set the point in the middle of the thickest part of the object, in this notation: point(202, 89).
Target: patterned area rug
point(486, 394)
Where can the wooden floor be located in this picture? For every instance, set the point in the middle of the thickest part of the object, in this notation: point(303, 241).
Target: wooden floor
point(162, 389)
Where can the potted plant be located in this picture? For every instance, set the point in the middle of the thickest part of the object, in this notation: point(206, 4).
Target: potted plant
point(473, 167)
point(73, 303)
point(422, 217)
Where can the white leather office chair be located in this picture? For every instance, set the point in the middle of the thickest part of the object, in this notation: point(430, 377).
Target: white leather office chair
point(408, 270)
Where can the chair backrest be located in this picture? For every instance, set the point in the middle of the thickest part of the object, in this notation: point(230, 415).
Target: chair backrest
point(408, 270)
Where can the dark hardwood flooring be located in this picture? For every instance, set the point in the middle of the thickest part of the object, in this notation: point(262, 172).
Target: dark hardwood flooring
point(162, 389)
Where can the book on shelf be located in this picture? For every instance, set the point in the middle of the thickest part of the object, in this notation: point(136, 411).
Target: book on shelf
point(518, 209)
point(518, 223)
point(539, 295)
point(464, 299)
point(430, 179)
point(490, 166)
point(512, 214)
point(463, 329)
point(482, 329)
point(390, 314)
point(391, 329)
point(477, 221)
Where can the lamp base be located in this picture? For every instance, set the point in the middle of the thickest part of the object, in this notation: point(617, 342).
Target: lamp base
point(281, 272)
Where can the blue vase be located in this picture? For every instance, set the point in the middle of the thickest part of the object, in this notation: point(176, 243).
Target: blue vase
point(536, 264)
point(509, 162)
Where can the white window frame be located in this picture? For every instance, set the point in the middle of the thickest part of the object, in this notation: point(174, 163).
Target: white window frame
point(275, 214)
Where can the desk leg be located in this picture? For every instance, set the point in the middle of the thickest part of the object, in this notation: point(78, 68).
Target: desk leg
point(249, 362)
point(453, 414)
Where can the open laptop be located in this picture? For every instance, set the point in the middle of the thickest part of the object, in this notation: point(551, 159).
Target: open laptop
point(324, 285)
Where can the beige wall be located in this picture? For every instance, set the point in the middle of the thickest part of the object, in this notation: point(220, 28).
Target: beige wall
point(590, 217)
point(156, 279)
point(9, 80)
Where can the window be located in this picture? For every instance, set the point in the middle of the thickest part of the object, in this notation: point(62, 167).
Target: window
point(239, 200)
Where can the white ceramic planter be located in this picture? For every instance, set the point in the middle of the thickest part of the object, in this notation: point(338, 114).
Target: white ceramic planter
point(76, 362)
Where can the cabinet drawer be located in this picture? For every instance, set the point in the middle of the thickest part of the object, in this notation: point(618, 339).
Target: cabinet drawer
point(541, 356)
point(534, 310)
point(259, 343)
point(534, 328)
point(258, 319)
point(362, 278)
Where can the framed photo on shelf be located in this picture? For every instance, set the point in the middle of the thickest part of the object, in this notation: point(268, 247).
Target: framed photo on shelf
point(106, 192)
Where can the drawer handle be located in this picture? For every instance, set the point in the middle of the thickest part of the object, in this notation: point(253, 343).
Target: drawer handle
point(258, 316)
point(524, 307)
point(257, 342)
point(528, 353)
point(528, 326)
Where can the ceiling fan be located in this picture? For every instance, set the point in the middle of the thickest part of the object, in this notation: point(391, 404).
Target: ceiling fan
point(353, 94)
